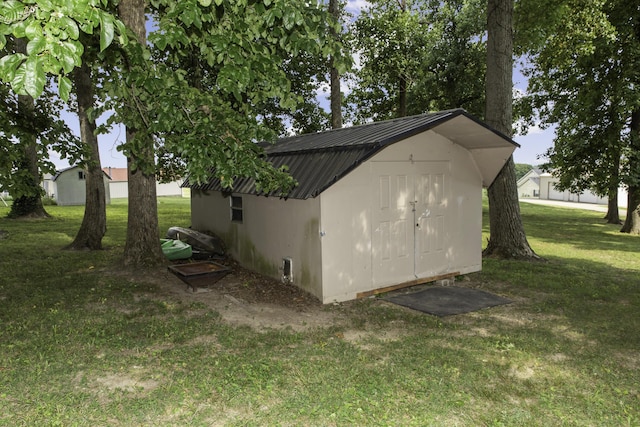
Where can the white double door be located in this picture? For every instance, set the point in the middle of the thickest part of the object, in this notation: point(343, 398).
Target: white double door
point(409, 220)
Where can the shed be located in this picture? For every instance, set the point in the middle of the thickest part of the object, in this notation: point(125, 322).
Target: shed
point(384, 204)
point(68, 186)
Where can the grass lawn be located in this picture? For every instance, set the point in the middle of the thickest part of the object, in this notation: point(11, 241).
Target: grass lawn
point(81, 345)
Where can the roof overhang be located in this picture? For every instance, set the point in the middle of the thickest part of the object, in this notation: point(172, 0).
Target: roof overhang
point(490, 149)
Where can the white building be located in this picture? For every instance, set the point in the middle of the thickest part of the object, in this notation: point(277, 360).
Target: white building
point(120, 186)
point(389, 203)
point(529, 184)
point(68, 186)
point(548, 191)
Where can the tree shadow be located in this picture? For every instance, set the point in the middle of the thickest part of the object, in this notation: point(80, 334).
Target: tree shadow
point(598, 299)
point(582, 229)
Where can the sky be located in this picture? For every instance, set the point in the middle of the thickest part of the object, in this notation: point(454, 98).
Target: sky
point(532, 145)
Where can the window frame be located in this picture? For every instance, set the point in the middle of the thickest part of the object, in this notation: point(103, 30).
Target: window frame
point(236, 209)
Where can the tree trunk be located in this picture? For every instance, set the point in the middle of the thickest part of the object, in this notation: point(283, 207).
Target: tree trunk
point(632, 222)
point(508, 239)
point(142, 248)
point(613, 213)
point(94, 222)
point(402, 83)
point(402, 97)
point(28, 204)
point(336, 94)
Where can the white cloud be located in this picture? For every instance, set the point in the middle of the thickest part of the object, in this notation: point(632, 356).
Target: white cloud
point(355, 6)
point(535, 130)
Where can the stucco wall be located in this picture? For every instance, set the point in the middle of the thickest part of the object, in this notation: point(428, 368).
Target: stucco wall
point(272, 228)
point(346, 236)
point(347, 217)
point(466, 224)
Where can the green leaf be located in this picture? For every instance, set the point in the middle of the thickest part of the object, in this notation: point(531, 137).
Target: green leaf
point(35, 78)
point(288, 21)
point(122, 31)
point(188, 16)
point(67, 62)
point(19, 29)
point(12, 11)
point(9, 64)
point(64, 87)
point(160, 42)
point(70, 27)
point(89, 21)
point(33, 30)
point(205, 3)
point(46, 5)
point(36, 45)
point(106, 30)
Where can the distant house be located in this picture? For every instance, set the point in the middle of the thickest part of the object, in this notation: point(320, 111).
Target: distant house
point(548, 191)
point(529, 184)
point(68, 186)
point(119, 184)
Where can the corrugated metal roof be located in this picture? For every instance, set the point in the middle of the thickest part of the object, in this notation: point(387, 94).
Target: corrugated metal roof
point(320, 159)
point(314, 172)
point(369, 134)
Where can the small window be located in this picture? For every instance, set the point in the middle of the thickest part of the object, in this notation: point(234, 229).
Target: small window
point(81, 175)
point(236, 209)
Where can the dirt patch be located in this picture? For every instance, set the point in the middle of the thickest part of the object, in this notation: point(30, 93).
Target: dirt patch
point(246, 298)
point(125, 382)
point(250, 299)
point(135, 380)
point(365, 337)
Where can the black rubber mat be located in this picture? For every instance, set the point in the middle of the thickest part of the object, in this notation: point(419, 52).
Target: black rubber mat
point(447, 300)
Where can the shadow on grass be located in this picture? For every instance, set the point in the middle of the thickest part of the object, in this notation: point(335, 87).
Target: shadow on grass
point(597, 298)
point(582, 229)
point(570, 228)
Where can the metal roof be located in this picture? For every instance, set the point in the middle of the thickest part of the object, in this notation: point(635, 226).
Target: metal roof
point(318, 160)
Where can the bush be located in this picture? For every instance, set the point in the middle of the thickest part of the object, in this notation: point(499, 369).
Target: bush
point(48, 201)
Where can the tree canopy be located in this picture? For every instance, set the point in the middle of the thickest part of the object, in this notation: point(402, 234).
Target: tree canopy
point(418, 56)
point(181, 123)
point(246, 43)
point(583, 78)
